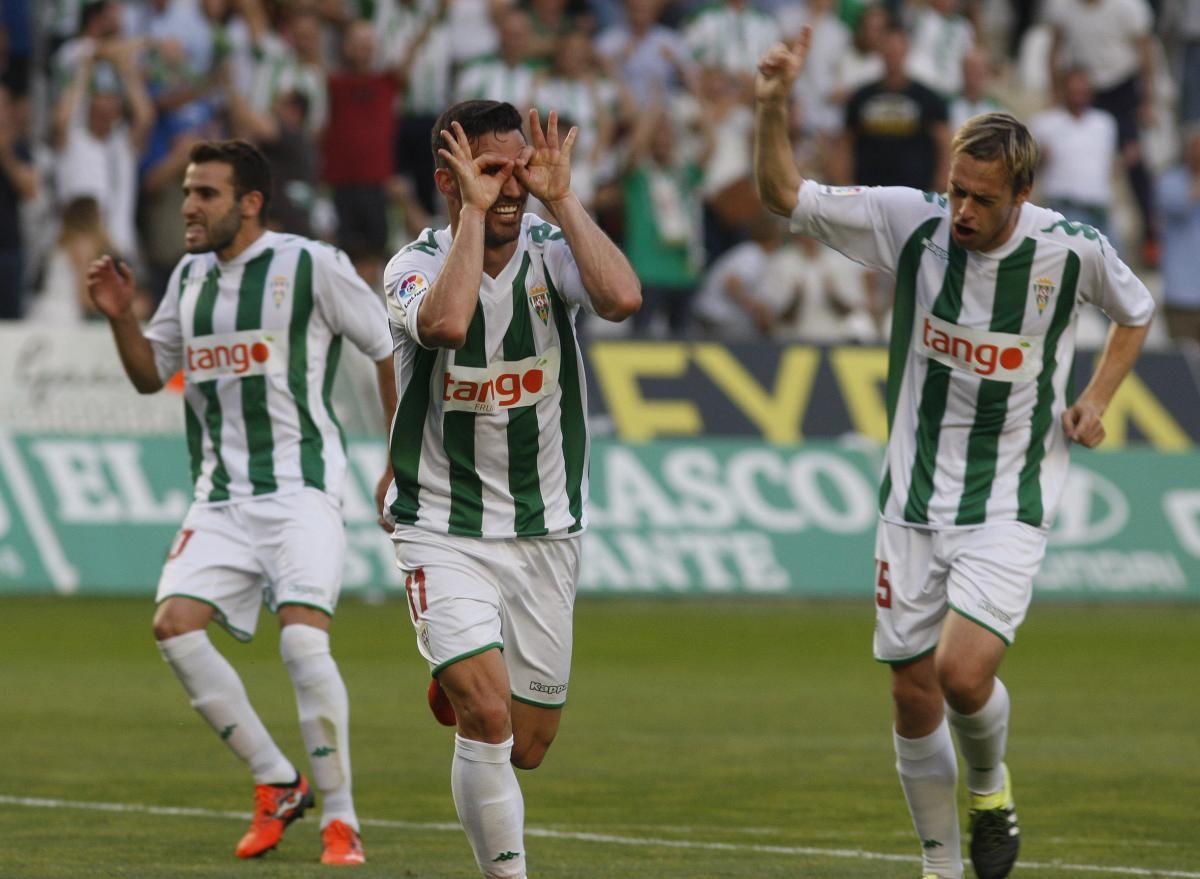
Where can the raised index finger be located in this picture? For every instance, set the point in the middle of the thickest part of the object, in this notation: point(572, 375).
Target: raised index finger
point(535, 129)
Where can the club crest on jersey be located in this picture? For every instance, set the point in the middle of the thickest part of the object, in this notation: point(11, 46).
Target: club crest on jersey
point(539, 298)
point(279, 289)
point(1043, 289)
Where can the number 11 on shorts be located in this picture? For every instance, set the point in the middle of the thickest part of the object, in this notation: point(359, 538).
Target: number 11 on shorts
point(883, 584)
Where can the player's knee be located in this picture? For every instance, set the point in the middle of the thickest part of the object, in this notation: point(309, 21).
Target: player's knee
point(483, 716)
point(963, 687)
point(168, 625)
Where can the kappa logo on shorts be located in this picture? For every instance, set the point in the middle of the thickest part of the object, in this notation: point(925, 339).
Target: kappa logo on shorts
point(548, 689)
point(995, 611)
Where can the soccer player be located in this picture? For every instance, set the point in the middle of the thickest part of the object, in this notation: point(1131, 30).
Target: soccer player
point(987, 291)
point(490, 445)
point(255, 320)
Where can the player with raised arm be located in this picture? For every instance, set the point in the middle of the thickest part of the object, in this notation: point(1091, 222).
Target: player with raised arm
point(490, 448)
point(987, 291)
point(255, 320)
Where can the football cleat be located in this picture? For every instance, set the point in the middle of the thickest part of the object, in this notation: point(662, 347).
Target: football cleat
point(440, 705)
point(275, 807)
point(341, 844)
point(995, 836)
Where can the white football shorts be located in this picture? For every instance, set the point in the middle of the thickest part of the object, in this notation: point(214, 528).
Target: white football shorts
point(985, 574)
point(467, 595)
point(275, 550)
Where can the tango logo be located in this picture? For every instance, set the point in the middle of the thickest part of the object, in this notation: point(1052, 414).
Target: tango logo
point(997, 356)
point(501, 385)
point(236, 355)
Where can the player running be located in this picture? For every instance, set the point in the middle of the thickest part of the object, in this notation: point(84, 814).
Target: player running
point(987, 291)
point(255, 320)
point(490, 446)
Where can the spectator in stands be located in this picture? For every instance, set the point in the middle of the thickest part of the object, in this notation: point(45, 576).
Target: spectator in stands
point(63, 298)
point(896, 132)
point(816, 91)
point(733, 301)
point(358, 150)
point(18, 183)
point(731, 36)
point(98, 142)
point(1078, 146)
point(818, 295)
point(941, 38)
point(550, 21)
point(16, 46)
point(1179, 23)
point(976, 96)
point(862, 63)
point(416, 43)
point(663, 235)
point(290, 61)
point(573, 88)
point(99, 24)
point(507, 76)
point(1111, 40)
point(642, 54)
point(1179, 204)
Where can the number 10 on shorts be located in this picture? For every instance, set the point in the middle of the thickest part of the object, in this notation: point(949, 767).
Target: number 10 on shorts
point(883, 584)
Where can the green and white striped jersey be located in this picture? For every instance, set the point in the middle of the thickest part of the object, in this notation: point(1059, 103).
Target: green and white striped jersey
point(730, 38)
point(258, 339)
point(491, 440)
point(981, 348)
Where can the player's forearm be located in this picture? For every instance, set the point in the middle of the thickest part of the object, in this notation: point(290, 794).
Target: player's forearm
point(609, 279)
point(775, 172)
point(450, 304)
point(386, 376)
point(136, 352)
point(1116, 360)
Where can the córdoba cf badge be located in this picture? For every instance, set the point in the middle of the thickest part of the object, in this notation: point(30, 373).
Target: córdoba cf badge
point(539, 298)
point(1043, 289)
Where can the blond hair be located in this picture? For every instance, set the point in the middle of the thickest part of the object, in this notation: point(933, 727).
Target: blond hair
point(991, 136)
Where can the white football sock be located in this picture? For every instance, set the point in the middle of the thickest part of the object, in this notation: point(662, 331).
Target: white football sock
point(324, 710)
point(929, 775)
point(490, 806)
point(220, 698)
point(982, 738)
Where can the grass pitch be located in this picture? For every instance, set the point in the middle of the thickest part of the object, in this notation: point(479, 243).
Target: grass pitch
point(722, 738)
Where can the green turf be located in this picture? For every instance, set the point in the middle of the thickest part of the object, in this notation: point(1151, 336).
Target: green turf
point(719, 738)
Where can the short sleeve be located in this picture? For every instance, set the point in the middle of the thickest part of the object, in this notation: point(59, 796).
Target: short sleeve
point(863, 222)
point(165, 330)
point(1119, 293)
point(349, 306)
point(406, 281)
point(563, 271)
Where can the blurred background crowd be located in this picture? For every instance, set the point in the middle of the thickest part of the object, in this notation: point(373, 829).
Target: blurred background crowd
point(102, 99)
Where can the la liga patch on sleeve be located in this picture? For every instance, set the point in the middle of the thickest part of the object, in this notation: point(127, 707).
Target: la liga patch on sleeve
point(411, 285)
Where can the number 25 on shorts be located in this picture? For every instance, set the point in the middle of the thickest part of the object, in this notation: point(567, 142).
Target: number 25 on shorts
point(883, 585)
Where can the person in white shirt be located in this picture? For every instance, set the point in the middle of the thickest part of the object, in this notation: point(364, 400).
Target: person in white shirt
point(1078, 145)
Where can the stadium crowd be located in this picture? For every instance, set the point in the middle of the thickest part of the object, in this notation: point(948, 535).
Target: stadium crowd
point(103, 99)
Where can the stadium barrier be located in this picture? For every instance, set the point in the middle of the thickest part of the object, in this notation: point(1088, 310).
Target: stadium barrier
point(717, 469)
point(97, 515)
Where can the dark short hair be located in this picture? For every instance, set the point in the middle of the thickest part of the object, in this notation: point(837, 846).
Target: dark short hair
point(91, 11)
point(251, 171)
point(477, 118)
